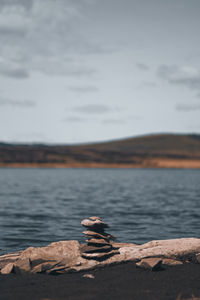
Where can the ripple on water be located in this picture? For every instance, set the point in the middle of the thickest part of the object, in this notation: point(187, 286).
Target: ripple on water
point(39, 206)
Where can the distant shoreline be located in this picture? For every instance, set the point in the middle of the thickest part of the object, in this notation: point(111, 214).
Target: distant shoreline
point(155, 151)
point(154, 163)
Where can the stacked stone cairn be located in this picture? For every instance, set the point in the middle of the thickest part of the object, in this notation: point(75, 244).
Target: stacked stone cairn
point(99, 243)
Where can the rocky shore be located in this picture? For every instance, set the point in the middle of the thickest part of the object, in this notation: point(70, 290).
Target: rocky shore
point(100, 252)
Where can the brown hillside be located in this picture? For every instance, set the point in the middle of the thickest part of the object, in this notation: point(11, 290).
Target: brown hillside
point(163, 150)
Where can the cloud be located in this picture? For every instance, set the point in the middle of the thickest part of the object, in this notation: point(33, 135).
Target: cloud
point(83, 89)
point(13, 71)
point(147, 84)
point(19, 3)
point(180, 75)
point(142, 66)
point(114, 121)
point(45, 36)
point(54, 66)
point(17, 103)
point(74, 119)
point(187, 107)
point(93, 109)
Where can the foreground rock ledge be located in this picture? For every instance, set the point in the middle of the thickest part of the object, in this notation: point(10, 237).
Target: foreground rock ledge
point(65, 256)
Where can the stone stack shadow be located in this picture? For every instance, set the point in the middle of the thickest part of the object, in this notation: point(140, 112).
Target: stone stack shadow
point(99, 243)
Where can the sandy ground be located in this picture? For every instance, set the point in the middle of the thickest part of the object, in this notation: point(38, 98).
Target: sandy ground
point(150, 163)
point(122, 281)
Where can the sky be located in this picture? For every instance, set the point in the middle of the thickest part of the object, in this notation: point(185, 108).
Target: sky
point(76, 71)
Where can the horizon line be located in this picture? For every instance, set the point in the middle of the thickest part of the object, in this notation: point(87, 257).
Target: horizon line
point(98, 142)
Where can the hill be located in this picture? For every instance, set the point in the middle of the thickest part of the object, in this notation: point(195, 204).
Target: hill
point(152, 151)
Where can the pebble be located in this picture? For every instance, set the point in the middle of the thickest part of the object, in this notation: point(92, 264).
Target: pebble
point(91, 276)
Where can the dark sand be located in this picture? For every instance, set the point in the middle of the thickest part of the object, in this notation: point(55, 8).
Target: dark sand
point(122, 281)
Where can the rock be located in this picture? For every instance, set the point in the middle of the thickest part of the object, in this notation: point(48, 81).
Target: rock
point(65, 252)
point(120, 245)
point(22, 265)
point(100, 255)
point(103, 235)
point(91, 276)
point(175, 249)
point(92, 234)
point(7, 269)
point(9, 258)
point(171, 262)
point(42, 268)
point(98, 242)
point(198, 257)
point(58, 270)
point(96, 224)
point(153, 263)
point(65, 256)
point(92, 249)
point(94, 218)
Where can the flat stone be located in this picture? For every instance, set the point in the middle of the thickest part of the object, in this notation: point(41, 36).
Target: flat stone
point(93, 249)
point(153, 264)
point(102, 235)
point(94, 218)
point(98, 242)
point(171, 262)
point(96, 224)
point(90, 233)
point(22, 265)
point(7, 269)
point(97, 256)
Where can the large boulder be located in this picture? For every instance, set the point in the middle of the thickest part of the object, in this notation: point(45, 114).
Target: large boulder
point(184, 248)
point(65, 252)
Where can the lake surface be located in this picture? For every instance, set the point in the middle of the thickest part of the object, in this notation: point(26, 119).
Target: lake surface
point(39, 206)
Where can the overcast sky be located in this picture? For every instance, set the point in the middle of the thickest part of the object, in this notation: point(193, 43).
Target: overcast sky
point(91, 70)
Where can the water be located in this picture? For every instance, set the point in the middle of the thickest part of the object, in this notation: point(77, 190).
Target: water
point(39, 206)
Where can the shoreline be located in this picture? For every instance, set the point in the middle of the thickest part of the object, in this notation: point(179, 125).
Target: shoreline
point(151, 164)
point(157, 270)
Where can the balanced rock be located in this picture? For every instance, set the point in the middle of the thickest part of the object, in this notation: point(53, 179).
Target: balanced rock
point(98, 241)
